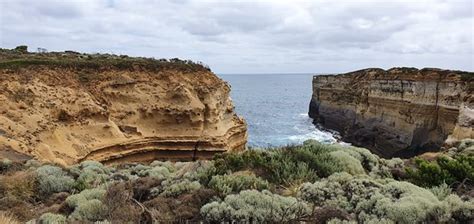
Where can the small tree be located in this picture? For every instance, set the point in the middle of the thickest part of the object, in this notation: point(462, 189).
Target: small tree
point(42, 50)
point(22, 49)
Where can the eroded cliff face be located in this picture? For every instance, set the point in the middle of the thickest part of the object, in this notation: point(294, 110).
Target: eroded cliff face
point(396, 112)
point(112, 112)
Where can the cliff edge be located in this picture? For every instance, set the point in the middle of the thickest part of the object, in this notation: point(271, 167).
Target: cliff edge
point(66, 107)
point(397, 112)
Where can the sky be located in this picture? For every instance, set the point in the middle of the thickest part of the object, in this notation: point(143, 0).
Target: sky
point(319, 36)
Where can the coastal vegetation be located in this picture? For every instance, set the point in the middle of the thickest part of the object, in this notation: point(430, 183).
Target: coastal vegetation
point(20, 58)
point(312, 182)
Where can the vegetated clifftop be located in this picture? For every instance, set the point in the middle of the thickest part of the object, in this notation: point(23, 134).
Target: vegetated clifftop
point(396, 112)
point(67, 107)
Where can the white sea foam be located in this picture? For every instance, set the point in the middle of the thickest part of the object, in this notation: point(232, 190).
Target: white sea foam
point(307, 130)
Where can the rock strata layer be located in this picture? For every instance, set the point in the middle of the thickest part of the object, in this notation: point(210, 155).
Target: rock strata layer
point(70, 107)
point(396, 112)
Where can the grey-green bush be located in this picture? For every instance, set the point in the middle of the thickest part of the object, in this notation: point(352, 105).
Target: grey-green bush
point(52, 179)
point(91, 210)
point(385, 199)
point(256, 207)
point(442, 191)
point(5, 164)
point(234, 183)
point(90, 174)
point(172, 188)
point(88, 194)
point(51, 218)
point(87, 205)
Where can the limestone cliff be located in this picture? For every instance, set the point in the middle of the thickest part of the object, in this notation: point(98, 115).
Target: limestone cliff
point(396, 112)
point(68, 107)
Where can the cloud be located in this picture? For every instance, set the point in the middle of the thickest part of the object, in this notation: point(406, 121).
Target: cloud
point(263, 36)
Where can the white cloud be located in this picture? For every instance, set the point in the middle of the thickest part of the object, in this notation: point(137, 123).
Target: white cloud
point(240, 36)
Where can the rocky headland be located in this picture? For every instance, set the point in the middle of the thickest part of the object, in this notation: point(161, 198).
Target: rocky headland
point(400, 112)
point(67, 107)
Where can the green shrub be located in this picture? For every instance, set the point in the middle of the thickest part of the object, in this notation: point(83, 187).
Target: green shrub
point(441, 191)
point(32, 164)
point(203, 171)
point(167, 164)
point(255, 207)
point(173, 188)
point(52, 179)
point(386, 166)
point(466, 144)
point(443, 170)
point(338, 221)
point(22, 48)
point(50, 218)
point(159, 172)
point(275, 165)
point(286, 172)
point(344, 162)
point(5, 164)
point(376, 199)
point(91, 210)
point(306, 162)
point(234, 183)
point(87, 205)
point(75, 200)
point(140, 170)
point(90, 174)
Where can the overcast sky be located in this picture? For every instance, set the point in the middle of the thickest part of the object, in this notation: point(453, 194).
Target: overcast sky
point(317, 36)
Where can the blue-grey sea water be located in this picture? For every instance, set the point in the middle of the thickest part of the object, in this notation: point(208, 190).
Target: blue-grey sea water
point(275, 107)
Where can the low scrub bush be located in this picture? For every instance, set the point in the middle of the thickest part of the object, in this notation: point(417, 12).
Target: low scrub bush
point(19, 185)
point(20, 209)
point(142, 187)
point(91, 210)
point(5, 164)
point(50, 218)
point(234, 183)
point(274, 165)
point(119, 198)
point(172, 167)
point(444, 170)
point(202, 171)
point(90, 174)
point(344, 162)
point(252, 206)
point(87, 205)
point(371, 199)
point(442, 191)
point(306, 162)
point(158, 172)
point(75, 200)
point(52, 179)
point(173, 188)
point(178, 210)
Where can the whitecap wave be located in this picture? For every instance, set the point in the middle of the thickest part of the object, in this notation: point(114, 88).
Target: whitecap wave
point(305, 130)
point(320, 136)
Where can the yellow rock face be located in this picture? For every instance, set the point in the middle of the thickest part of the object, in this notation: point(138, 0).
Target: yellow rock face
point(68, 114)
point(396, 112)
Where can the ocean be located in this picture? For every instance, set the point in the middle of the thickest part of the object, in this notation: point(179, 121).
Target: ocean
point(275, 107)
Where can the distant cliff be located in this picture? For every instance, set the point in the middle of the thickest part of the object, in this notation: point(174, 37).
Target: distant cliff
point(67, 107)
point(396, 112)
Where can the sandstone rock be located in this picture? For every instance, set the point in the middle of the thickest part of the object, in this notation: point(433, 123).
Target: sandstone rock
point(396, 112)
point(111, 110)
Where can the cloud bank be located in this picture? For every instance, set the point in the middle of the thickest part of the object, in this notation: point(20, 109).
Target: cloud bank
point(253, 37)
